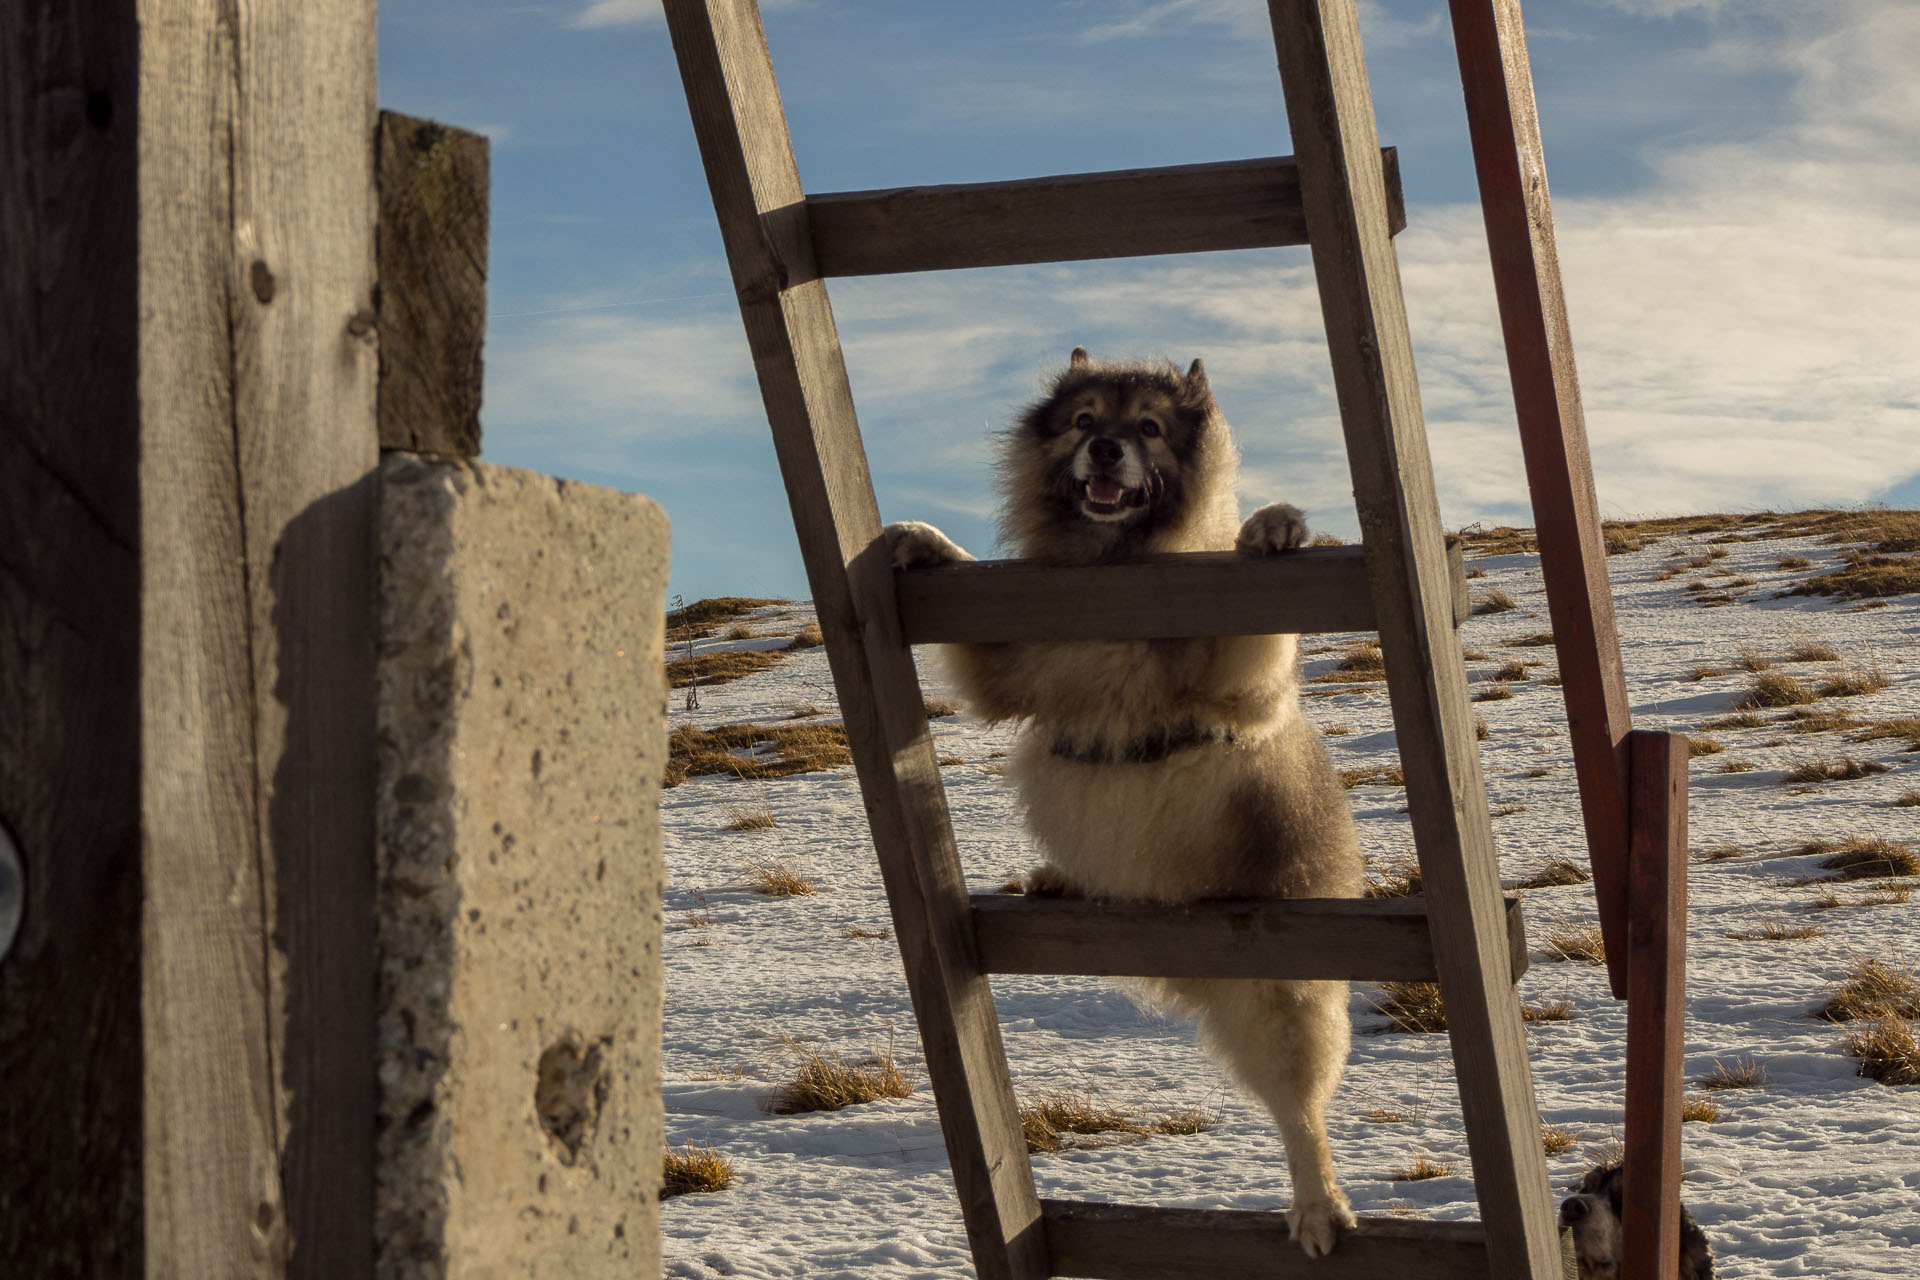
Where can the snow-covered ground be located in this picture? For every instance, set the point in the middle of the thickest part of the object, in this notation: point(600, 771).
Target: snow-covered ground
point(1815, 1172)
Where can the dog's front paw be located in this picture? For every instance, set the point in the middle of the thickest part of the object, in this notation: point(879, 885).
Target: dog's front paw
point(1316, 1227)
point(1279, 527)
point(913, 545)
point(1045, 881)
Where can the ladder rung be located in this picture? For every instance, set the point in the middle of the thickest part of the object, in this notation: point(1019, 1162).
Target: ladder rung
point(1127, 1242)
point(1367, 939)
point(1189, 208)
point(1206, 593)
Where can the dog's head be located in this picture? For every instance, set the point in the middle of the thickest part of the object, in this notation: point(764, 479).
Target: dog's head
point(1592, 1213)
point(1114, 458)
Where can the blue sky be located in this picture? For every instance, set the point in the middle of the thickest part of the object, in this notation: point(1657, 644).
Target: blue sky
point(1736, 187)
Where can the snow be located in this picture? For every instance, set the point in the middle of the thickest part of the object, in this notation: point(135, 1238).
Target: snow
point(1815, 1172)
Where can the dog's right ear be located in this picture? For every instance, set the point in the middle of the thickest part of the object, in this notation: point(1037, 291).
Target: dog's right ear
point(1078, 360)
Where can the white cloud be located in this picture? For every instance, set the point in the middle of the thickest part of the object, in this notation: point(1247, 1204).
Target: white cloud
point(618, 13)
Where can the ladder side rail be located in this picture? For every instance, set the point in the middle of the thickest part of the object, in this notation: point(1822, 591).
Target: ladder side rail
point(1656, 1006)
point(734, 102)
point(1124, 213)
point(1504, 128)
point(1330, 113)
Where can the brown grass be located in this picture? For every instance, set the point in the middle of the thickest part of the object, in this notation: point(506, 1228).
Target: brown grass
point(717, 668)
point(778, 880)
point(1776, 689)
point(1494, 600)
point(1753, 661)
point(1886, 895)
point(1569, 942)
point(1813, 651)
point(1383, 775)
point(1778, 929)
point(854, 933)
point(1480, 730)
point(702, 616)
point(1049, 1120)
point(1888, 1051)
point(1422, 1167)
point(1706, 673)
point(1738, 720)
point(1865, 857)
point(1364, 657)
point(1738, 1074)
point(692, 1169)
point(1556, 1138)
point(807, 637)
point(1819, 720)
point(1618, 542)
point(1402, 880)
point(1907, 800)
point(1705, 746)
point(1736, 766)
point(1547, 1011)
point(1907, 727)
point(1561, 871)
point(1724, 851)
point(1515, 670)
point(1844, 769)
point(1492, 693)
point(739, 819)
point(1699, 1111)
point(778, 750)
point(936, 708)
point(821, 1083)
point(1873, 989)
point(1412, 1006)
point(1853, 682)
point(1794, 562)
point(1533, 641)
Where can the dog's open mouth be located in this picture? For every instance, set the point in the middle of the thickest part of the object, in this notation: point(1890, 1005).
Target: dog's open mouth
point(1105, 496)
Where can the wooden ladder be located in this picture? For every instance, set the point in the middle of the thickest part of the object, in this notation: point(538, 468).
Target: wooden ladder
point(1339, 194)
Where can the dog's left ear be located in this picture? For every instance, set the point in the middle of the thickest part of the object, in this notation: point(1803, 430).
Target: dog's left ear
point(1196, 381)
point(1078, 360)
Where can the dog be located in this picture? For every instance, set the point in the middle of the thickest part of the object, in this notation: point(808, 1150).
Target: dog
point(1592, 1213)
point(1170, 770)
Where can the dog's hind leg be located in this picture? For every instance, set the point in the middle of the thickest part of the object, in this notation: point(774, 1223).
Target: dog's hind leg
point(1287, 1044)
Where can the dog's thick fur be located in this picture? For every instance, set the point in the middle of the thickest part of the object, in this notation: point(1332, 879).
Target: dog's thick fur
point(1592, 1213)
point(1171, 770)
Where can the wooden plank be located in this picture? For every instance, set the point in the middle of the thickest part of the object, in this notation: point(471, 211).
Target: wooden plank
point(742, 133)
point(1504, 128)
point(1125, 1242)
point(70, 639)
point(1656, 1005)
point(433, 285)
point(306, 366)
point(1212, 593)
point(1330, 115)
point(1367, 939)
point(1191, 208)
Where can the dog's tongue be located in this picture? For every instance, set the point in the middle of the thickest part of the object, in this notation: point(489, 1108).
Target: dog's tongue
point(1101, 489)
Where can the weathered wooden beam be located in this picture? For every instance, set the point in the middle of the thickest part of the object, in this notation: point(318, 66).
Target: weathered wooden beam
point(1211, 593)
point(70, 638)
point(1330, 116)
point(1656, 1004)
point(1365, 939)
point(1189, 208)
point(1504, 128)
point(1126, 1242)
point(433, 285)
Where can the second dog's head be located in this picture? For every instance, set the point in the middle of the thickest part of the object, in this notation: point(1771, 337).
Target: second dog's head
point(1116, 460)
point(1592, 1213)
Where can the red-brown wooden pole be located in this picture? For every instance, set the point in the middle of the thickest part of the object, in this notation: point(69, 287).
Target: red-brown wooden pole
point(1656, 1004)
point(1507, 156)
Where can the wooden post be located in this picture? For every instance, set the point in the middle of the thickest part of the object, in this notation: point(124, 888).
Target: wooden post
point(189, 444)
point(433, 285)
point(1656, 1005)
point(1508, 159)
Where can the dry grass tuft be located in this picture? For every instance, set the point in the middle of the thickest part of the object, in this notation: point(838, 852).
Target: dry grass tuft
point(702, 616)
point(1385, 1115)
point(1618, 541)
point(1778, 929)
point(1048, 1120)
point(1886, 895)
point(1873, 989)
point(1813, 651)
point(1556, 1138)
point(1736, 766)
point(778, 880)
point(1365, 658)
point(1480, 730)
point(821, 1083)
point(1533, 641)
point(1422, 1167)
point(1865, 857)
point(854, 933)
point(739, 819)
point(1384, 775)
point(1561, 871)
point(1738, 720)
point(1412, 1006)
point(1515, 670)
point(1401, 880)
point(1776, 689)
point(1706, 673)
point(777, 750)
point(1738, 1074)
point(1853, 682)
point(1907, 727)
point(1845, 769)
point(1752, 660)
point(1705, 746)
point(1569, 942)
point(1494, 600)
point(1724, 851)
point(694, 1169)
point(717, 668)
point(1794, 562)
point(939, 707)
point(1819, 720)
point(1492, 693)
point(1547, 1011)
point(1699, 1111)
point(1907, 800)
point(808, 637)
point(1888, 1051)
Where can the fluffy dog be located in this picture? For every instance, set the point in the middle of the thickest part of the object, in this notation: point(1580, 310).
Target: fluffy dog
point(1171, 770)
point(1592, 1213)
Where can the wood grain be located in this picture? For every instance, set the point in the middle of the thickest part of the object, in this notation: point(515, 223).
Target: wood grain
point(1330, 115)
point(742, 133)
point(1509, 160)
point(1369, 939)
point(70, 641)
point(1193, 208)
point(1656, 1004)
point(433, 184)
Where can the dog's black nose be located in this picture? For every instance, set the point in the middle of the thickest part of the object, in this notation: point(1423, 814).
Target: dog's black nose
point(1104, 450)
point(1573, 1210)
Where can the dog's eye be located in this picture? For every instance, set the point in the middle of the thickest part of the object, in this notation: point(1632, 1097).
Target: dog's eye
point(1082, 420)
point(1149, 428)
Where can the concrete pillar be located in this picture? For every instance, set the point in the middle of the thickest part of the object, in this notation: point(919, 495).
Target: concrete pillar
point(522, 706)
